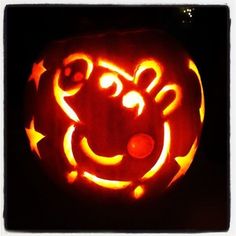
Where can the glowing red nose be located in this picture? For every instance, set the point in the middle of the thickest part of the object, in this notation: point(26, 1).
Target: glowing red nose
point(140, 145)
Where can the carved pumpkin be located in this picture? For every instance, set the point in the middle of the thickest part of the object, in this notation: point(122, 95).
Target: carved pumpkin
point(120, 111)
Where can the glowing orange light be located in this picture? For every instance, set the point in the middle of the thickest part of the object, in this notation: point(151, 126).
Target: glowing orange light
point(111, 184)
point(37, 70)
point(184, 162)
point(138, 192)
point(140, 145)
point(141, 96)
point(193, 67)
point(80, 56)
point(164, 153)
point(114, 160)
point(175, 103)
point(114, 68)
point(61, 94)
point(133, 99)
point(145, 65)
point(71, 177)
point(67, 146)
point(106, 81)
point(34, 137)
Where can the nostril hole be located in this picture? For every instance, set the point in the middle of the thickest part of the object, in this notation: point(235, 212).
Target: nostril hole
point(140, 145)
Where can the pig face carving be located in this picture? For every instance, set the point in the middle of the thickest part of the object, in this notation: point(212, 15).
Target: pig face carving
point(115, 124)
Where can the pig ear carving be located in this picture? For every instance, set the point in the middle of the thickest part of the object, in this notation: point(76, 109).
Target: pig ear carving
point(147, 65)
point(176, 100)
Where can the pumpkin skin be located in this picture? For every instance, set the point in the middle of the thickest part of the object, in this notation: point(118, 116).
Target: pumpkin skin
point(117, 111)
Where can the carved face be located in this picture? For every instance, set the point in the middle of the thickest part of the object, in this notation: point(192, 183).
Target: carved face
point(117, 123)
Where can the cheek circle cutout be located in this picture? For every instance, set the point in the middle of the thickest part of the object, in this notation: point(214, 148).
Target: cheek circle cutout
point(140, 145)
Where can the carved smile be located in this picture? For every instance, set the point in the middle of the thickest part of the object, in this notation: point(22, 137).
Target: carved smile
point(103, 160)
point(114, 160)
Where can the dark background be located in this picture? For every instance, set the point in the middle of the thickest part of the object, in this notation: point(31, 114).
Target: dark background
point(198, 202)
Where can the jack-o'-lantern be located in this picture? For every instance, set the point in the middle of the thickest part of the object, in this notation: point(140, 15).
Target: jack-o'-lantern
point(119, 111)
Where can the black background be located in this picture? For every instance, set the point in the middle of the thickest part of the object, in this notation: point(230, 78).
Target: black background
point(199, 202)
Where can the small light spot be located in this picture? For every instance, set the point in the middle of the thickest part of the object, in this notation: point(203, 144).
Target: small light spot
point(67, 71)
point(72, 176)
point(78, 77)
point(138, 192)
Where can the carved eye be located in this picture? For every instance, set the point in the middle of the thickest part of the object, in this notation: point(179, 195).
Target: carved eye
point(77, 59)
point(133, 99)
point(77, 69)
point(109, 79)
point(77, 75)
point(73, 74)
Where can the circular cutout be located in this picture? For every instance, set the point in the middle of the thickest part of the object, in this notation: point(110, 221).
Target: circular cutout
point(140, 145)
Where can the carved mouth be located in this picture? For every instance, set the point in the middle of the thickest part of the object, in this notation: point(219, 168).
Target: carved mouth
point(103, 160)
point(114, 160)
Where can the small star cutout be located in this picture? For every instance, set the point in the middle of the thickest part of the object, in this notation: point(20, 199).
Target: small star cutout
point(34, 137)
point(37, 70)
point(184, 162)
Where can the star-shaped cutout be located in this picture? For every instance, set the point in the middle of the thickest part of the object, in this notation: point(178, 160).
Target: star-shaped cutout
point(37, 70)
point(184, 162)
point(34, 137)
